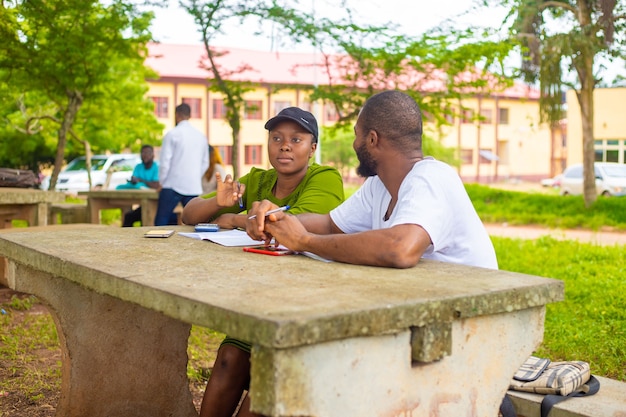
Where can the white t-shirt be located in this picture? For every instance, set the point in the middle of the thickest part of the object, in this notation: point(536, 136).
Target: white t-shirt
point(432, 196)
point(184, 159)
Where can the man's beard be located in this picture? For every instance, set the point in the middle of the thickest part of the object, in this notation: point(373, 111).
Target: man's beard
point(367, 166)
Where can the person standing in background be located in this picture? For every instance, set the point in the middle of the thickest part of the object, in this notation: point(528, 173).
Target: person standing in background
point(145, 175)
point(183, 161)
point(209, 180)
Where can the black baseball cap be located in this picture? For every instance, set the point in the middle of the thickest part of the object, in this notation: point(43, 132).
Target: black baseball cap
point(295, 114)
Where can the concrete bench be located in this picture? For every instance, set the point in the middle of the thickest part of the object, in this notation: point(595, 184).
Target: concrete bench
point(68, 214)
point(328, 339)
point(610, 401)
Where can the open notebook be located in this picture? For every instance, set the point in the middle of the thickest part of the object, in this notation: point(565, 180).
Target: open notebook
point(235, 237)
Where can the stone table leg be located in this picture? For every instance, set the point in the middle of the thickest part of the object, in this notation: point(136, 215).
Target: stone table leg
point(118, 358)
point(148, 211)
point(41, 216)
point(374, 376)
point(94, 206)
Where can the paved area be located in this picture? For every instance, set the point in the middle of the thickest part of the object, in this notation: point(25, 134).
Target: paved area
point(584, 236)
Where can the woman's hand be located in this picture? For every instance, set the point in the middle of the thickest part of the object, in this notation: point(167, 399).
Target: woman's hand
point(228, 191)
point(228, 221)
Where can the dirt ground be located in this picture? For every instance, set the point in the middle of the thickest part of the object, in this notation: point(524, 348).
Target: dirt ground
point(16, 404)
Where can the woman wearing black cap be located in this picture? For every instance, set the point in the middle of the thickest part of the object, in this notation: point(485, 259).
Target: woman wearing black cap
point(292, 182)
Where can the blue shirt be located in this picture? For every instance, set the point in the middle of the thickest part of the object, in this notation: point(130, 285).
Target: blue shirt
point(146, 174)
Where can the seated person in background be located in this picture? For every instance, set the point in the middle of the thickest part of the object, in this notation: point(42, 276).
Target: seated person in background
point(304, 187)
point(411, 206)
point(209, 180)
point(145, 175)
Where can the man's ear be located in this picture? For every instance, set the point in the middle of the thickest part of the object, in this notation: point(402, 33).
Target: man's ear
point(372, 137)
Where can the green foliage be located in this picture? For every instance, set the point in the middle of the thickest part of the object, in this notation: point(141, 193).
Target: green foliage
point(498, 206)
point(73, 70)
point(590, 324)
point(337, 148)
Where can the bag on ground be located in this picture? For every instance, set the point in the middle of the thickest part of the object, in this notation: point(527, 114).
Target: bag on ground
point(544, 377)
point(558, 381)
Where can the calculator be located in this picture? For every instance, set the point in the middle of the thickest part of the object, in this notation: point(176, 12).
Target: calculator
point(207, 227)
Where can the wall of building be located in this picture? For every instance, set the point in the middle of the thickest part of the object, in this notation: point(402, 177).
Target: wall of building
point(608, 127)
point(508, 143)
point(526, 149)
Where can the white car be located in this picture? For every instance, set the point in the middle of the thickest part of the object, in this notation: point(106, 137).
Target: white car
point(610, 179)
point(73, 178)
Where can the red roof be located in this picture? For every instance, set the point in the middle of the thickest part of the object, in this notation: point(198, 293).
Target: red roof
point(190, 62)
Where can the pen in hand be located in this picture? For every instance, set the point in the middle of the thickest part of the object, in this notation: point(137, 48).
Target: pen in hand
point(240, 197)
point(283, 208)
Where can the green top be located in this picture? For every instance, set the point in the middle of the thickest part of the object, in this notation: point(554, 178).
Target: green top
point(320, 191)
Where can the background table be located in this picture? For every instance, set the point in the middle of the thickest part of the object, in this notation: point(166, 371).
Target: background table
point(124, 200)
point(26, 204)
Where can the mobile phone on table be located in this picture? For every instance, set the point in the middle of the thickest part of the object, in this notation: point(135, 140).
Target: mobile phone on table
point(269, 250)
point(159, 233)
point(207, 227)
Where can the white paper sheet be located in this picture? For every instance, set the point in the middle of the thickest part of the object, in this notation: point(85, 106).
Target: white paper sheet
point(225, 237)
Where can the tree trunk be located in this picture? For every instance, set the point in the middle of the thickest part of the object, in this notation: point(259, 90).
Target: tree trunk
point(75, 100)
point(585, 100)
point(236, 157)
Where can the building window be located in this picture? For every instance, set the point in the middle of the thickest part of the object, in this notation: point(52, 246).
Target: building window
point(226, 152)
point(467, 156)
point(219, 109)
point(160, 106)
point(503, 116)
point(196, 107)
point(486, 116)
point(610, 150)
point(253, 154)
point(252, 110)
point(467, 116)
point(281, 105)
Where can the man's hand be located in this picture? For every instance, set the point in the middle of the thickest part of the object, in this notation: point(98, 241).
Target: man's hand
point(287, 230)
point(256, 226)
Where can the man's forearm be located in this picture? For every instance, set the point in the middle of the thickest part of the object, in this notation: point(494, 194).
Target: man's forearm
point(320, 224)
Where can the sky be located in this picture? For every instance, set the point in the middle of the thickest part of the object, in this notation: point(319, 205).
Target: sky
point(173, 24)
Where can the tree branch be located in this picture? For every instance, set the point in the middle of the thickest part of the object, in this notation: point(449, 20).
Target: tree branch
point(557, 4)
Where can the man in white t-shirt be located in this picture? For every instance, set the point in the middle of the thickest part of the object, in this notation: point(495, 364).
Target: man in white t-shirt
point(184, 159)
point(410, 207)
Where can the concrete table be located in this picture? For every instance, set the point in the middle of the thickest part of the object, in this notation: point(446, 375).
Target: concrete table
point(123, 199)
point(329, 339)
point(26, 204)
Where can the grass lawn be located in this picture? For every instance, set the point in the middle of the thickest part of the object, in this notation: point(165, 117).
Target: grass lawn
point(589, 325)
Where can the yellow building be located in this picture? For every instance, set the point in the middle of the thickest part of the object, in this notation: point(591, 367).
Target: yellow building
point(506, 142)
point(608, 126)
